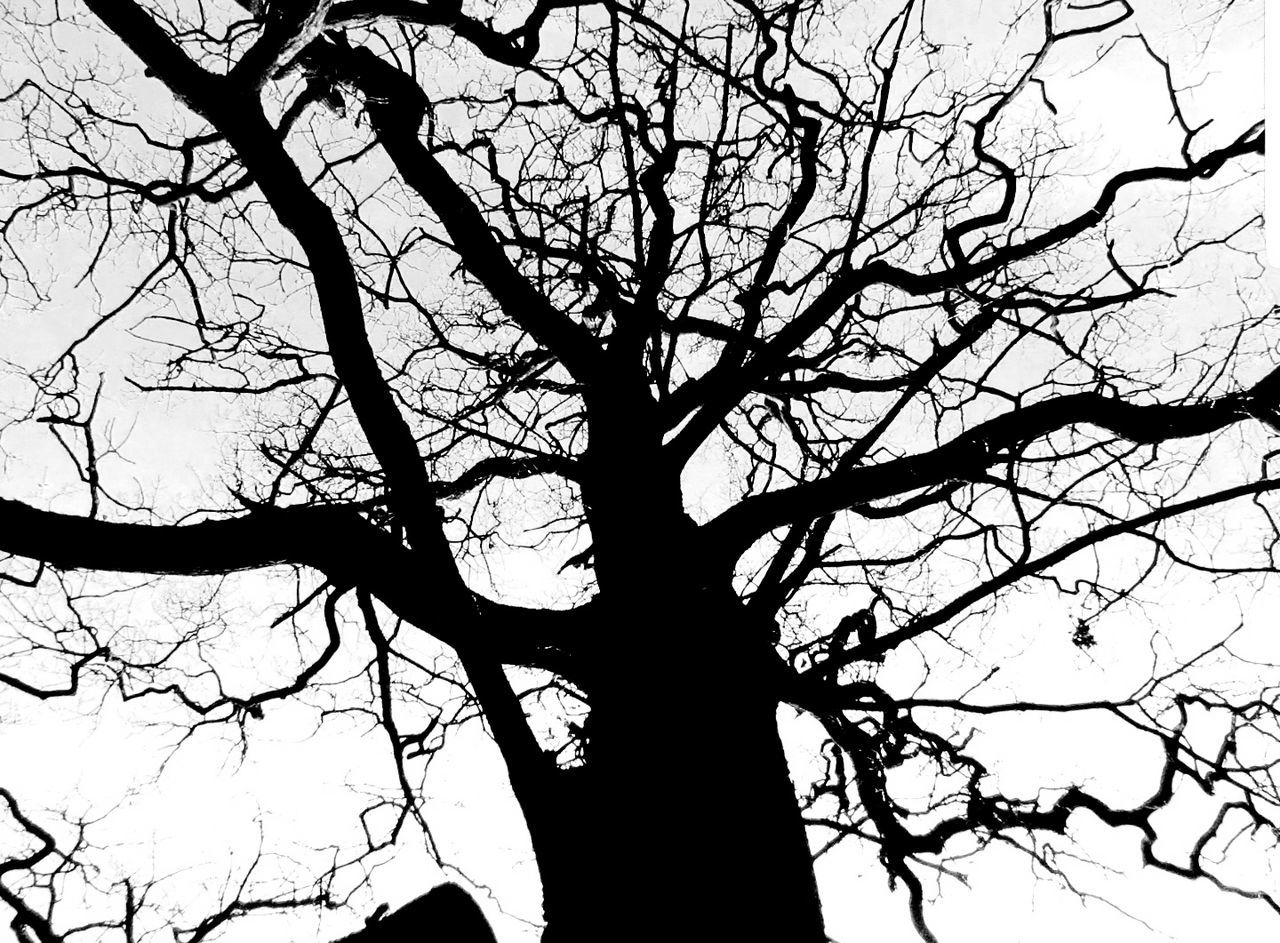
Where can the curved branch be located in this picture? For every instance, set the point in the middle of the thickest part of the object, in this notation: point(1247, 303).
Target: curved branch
point(711, 397)
point(972, 452)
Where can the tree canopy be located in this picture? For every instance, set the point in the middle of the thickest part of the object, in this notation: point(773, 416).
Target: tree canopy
point(785, 432)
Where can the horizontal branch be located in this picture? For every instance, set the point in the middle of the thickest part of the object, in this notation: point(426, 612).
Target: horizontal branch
point(261, 538)
point(334, 540)
point(972, 452)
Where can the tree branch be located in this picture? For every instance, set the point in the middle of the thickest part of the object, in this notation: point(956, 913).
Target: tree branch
point(973, 451)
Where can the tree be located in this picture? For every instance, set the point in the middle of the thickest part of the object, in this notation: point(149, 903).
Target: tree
point(806, 352)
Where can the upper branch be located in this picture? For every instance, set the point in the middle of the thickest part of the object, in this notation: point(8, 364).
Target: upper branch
point(516, 47)
point(711, 397)
point(396, 107)
point(973, 451)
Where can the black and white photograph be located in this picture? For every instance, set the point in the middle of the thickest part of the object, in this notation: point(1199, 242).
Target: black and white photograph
point(655, 471)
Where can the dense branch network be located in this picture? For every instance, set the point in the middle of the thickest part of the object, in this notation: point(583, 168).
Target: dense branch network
point(482, 284)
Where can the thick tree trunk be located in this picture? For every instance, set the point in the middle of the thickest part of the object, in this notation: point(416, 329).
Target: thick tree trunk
point(685, 824)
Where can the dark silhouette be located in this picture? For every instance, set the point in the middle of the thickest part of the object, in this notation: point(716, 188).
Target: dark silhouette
point(445, 914)
point(866, 627)
point(736, 315)
point(857, 626)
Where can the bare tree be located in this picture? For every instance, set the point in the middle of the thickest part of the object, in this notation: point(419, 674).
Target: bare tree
point(808, 349)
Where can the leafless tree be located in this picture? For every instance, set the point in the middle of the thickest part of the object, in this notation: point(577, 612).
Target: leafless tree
point(817, 357)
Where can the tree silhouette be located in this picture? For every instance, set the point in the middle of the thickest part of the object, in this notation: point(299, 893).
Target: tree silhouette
point(659, 367)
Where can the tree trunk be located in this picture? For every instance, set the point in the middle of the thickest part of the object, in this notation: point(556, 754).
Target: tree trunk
point(684, 823)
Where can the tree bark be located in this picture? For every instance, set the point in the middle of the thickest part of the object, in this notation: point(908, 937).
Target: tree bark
point(683, 824)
